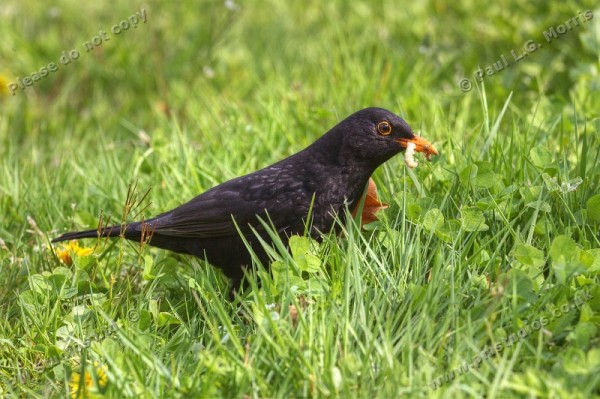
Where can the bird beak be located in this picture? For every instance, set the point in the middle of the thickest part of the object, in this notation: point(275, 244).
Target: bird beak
point(421, 144)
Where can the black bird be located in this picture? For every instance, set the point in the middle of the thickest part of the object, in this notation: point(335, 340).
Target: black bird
point(325, 178)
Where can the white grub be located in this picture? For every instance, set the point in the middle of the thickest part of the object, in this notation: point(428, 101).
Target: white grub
point(409, 155)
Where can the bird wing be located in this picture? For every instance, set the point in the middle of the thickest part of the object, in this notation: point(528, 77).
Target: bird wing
point(265, 194)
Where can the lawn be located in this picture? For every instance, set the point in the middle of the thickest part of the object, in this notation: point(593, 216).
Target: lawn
point(481, 279)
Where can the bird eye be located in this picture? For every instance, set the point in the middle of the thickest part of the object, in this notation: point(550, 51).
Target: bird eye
point(384, 128)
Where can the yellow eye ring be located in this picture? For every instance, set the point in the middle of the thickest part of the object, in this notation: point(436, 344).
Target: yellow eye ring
point(384, 128)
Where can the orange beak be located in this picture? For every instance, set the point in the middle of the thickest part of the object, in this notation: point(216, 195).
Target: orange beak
point(422, 145)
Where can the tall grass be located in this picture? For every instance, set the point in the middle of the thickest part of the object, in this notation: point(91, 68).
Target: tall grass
point(479, 280)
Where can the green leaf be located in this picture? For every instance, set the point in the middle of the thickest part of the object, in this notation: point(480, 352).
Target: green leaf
point(299, 245)
point(301, 252)
point(413, 211)
point(286, 277)
point(316, 286)
point(541, 225)
point(145, 317)
point(472, 219)
point(587, 259)
point(595, 253)
point(28, 300)
point(68, 292)
point(279, 271)
point(550, 182)
point(153, 308)
point(521, 286)
point(166, 318)
point(541, 157)
point(84, 262)
point(593, 208)
point(530, 193)
point(433, 220)
point(565, 256)
point(57, 281)
point(486, 176)
point(61, 270)
point(529, 255)
point(81, 313)
point(449, 230)
point(60, 279)
point(310, 264)
point(148, 266)
point(563, 247)
point(593, 359)
point(39, 284)
point(574, 361)
point(441, 173)
point(583, 334)
point(468, 173)
point(541, 205)
point(296, 283)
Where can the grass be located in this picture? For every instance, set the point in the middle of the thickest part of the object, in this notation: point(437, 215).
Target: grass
point(479, 280)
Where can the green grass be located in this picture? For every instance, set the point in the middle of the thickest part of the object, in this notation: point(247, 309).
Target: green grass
point(488, 257)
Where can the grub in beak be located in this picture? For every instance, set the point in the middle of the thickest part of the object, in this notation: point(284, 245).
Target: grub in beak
point(417, 144)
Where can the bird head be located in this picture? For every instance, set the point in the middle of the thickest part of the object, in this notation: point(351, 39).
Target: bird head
point(376, 134)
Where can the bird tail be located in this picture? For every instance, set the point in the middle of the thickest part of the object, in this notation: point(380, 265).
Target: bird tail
point(110, 231)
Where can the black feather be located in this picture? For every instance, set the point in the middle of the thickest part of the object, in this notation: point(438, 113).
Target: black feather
point(333, 172)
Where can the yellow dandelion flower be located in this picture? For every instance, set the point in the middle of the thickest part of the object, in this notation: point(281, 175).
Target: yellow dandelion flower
point(84, 251)
point(64, 256)
point(66, 250)
point(92, 382)
point(4, 81)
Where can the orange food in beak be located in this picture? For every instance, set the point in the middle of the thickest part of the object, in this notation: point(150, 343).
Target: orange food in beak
point(422, 145)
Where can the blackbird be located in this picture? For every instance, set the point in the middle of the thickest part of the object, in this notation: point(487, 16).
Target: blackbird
point(319, 183)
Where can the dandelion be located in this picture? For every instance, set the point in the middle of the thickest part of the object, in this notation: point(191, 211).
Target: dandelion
point(91, 383)
point(66, 250)
point(4, 81)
